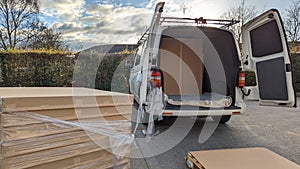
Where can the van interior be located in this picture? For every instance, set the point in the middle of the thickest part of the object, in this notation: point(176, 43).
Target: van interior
point(198, 64)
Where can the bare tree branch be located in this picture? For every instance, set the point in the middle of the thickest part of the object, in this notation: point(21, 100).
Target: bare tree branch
point(16, 18)
point(46, 38)
point(244, 13)
point(3, 45)
point(292, 22)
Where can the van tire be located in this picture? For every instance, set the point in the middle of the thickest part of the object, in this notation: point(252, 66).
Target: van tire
point(222, 120)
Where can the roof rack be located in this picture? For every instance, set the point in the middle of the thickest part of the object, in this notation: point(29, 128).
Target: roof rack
point(158, 20)
point(198, 21)
point(159, 8)
point(144, 37)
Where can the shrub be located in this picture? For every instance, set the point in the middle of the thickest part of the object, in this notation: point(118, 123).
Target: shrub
point(296, 70)
point(102, 71)
point(36, 69)
point(54, 69)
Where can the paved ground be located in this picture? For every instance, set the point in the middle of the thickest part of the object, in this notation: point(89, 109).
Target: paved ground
point(277, 129)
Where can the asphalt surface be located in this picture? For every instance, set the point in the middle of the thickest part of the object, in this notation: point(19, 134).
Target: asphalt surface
point(275, 128)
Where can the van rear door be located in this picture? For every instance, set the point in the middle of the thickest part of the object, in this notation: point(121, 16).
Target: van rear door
point(265, 46)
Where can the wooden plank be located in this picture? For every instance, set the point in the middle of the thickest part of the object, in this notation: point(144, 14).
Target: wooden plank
point(10, 119)
point(248, 158)
point(24, 146)
point(85, 161)
point(35, 130)
point(36, 103)
point(21, 92)
point(51, 155)
point(44, 141)
point(59, 98)
point(36, 144)
point(101, 159)
point(50, 128)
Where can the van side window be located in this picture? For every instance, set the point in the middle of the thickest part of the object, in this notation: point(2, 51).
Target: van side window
point(138, 55)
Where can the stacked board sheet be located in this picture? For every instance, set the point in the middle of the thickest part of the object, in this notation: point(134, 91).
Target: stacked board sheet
point(245, 158)
point(64, 128)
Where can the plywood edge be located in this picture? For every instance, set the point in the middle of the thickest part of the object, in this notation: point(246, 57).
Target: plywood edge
point(31, 145)
point(56, 154)
point(58, 107)
point(54, 91)
point(19, 121)
point(79, 162)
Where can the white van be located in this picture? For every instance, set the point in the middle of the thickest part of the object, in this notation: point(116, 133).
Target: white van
point(197, 66)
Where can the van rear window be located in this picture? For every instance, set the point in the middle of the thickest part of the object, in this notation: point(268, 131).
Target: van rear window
point(266, 40)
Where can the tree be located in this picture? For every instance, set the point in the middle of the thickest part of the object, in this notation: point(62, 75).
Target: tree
point(17, 19)
point(243, 13)
point(292, 22)
point(46, 38)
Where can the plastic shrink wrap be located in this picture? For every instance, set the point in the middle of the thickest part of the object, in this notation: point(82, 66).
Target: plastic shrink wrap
point(95, 132)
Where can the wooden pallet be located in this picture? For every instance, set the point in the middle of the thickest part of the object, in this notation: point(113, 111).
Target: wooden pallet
point(196, 164)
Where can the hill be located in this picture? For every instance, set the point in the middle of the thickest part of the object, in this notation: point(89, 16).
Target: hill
point(112, 48)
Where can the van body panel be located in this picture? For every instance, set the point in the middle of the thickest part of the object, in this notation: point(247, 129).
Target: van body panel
point(199, 60)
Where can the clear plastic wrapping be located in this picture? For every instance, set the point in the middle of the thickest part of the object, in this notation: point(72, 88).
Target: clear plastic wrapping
point(52, 143)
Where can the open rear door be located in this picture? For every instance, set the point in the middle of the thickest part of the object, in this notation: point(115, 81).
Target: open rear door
point(265, 46)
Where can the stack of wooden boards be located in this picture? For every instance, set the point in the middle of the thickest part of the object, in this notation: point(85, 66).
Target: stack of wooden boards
point(64, 128)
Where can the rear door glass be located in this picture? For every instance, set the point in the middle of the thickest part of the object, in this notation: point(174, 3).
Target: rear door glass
point(266, 40)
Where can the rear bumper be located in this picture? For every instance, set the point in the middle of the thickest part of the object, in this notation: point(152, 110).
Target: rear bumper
point(213, 112)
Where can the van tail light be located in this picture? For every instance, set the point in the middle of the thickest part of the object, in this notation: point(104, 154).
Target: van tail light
point(155, 78)
point(242, 79)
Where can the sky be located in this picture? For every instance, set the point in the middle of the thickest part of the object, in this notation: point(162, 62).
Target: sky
point(87, 23)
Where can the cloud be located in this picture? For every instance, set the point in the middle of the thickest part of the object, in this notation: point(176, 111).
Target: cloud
point(67, 10)
point(171, 6)
point(98, 23)
point(90, 24)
